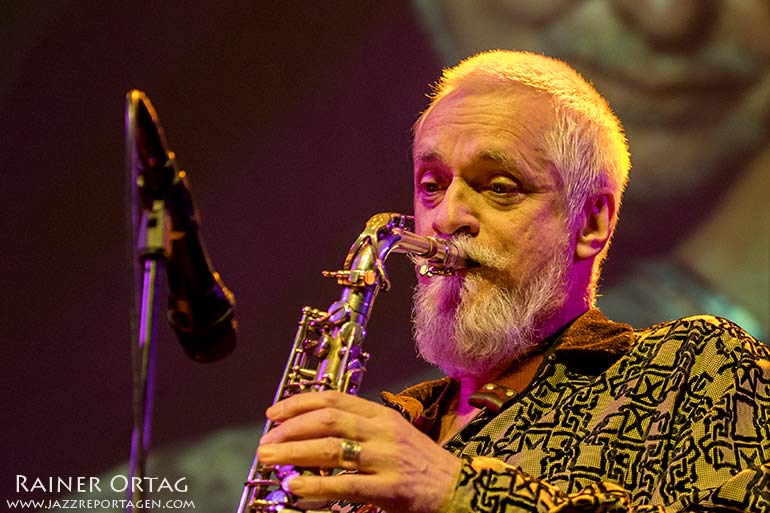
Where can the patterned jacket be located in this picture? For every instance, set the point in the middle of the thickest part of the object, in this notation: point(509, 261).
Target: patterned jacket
point(675, 417)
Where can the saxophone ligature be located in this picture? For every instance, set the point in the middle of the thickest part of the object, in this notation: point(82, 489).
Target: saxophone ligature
point(327, 352)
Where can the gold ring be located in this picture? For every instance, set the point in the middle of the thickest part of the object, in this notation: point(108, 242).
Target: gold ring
point(350, 454)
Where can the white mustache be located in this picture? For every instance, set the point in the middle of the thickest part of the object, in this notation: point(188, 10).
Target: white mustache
point(485, 256)
point(479, 254)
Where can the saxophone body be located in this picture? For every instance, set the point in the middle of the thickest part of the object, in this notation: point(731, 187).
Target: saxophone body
point(327, 352)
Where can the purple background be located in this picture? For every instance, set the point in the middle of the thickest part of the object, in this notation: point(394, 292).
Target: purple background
point(293, 121)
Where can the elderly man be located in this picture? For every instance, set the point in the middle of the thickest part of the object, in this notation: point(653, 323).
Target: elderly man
point(547, 405)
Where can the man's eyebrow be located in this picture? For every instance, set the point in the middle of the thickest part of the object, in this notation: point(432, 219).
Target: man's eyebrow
point(428, 156)
point(498, 157)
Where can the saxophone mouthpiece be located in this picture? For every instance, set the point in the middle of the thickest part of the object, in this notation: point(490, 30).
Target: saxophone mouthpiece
point(434, 256)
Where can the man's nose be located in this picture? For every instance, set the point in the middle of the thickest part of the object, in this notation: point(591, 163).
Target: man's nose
point(675, 24)
point(456, 213)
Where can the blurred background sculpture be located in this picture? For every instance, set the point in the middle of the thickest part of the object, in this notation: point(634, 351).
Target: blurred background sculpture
point(691, 82)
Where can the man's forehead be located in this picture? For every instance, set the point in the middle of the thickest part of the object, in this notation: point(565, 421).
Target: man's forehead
point(515, 144)
point(519, 110)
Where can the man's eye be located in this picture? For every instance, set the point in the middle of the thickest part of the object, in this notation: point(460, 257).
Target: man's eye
point(503, 187)
point(429, 186)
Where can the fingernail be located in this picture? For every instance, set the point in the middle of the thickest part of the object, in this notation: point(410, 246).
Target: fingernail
point(265, 453)
point(297, 485)
point(274, 411)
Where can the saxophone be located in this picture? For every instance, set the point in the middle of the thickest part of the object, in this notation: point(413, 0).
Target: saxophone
point(327, 353)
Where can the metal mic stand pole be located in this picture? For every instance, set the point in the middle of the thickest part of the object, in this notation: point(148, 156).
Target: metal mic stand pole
point(152, 254)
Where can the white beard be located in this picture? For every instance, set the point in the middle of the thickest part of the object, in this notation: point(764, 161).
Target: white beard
point(479, 323)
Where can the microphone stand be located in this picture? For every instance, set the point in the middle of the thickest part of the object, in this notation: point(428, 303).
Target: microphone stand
point(151, 251)
point(202, 317)
point(152, 254)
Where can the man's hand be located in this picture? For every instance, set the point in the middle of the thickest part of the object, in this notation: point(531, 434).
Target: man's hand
point(400, 468)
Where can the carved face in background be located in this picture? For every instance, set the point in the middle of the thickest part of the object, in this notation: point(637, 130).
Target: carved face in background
point(690, 79)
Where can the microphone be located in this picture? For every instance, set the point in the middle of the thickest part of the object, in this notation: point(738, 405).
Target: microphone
point(201, 310)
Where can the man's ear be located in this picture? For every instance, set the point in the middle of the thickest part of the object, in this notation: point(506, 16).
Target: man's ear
point(597, 223)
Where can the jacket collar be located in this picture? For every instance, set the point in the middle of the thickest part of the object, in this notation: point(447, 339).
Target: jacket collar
point(588, 345)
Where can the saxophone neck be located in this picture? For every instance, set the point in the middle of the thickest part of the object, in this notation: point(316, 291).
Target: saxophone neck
point(391, 232)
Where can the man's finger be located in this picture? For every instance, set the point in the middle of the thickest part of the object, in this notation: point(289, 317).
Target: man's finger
point(321, 423)
point(303, 403)
point(327, 452)
point(349, 487)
